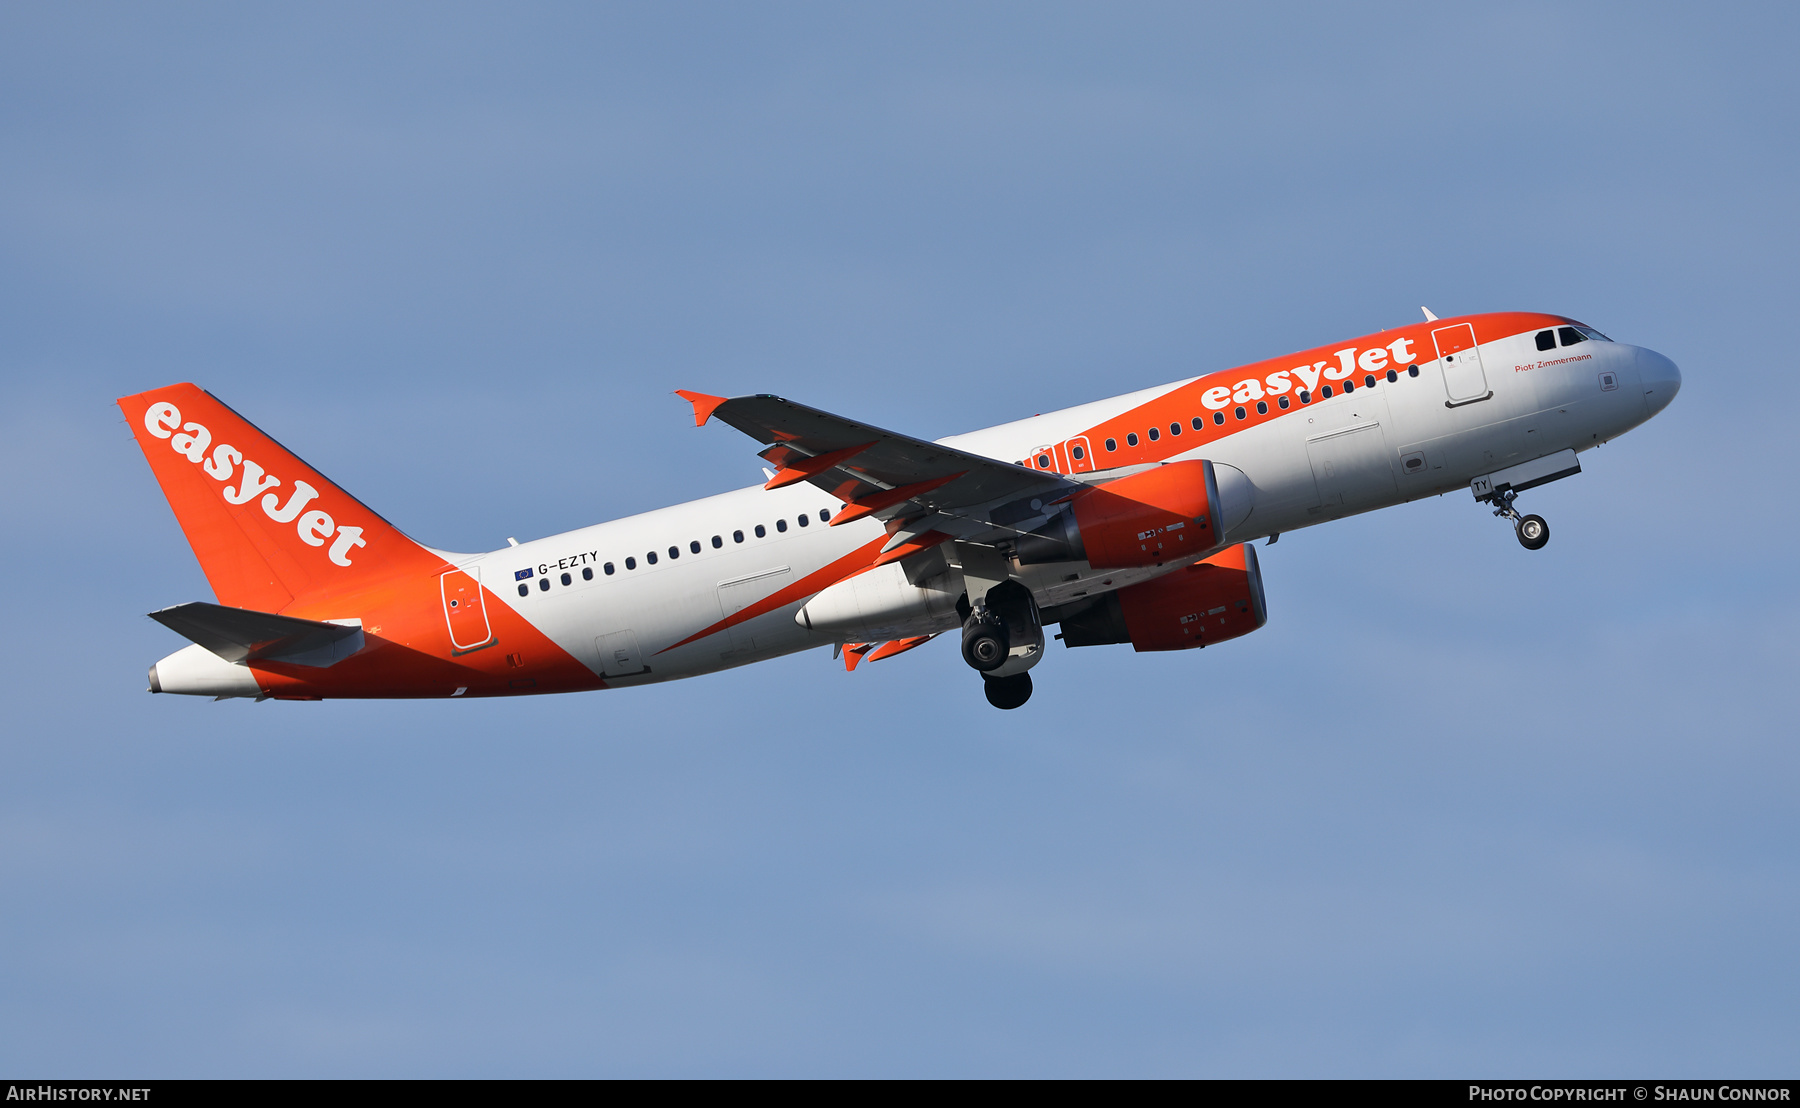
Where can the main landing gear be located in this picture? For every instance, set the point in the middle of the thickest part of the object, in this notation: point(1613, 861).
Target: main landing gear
point(1007, 693)
point(1002, 639)
point(1533, 532)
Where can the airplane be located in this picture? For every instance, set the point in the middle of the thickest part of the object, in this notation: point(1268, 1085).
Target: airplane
point(1129, 520)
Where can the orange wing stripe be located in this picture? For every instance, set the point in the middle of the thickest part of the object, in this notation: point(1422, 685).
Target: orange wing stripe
point(912, 546)
point(799, 469)
point(898, 646)
point(875, 502)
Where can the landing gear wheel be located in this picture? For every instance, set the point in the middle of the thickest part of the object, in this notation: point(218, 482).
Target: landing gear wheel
point(1533, 532)
point(985, 646)
point(1007, 693)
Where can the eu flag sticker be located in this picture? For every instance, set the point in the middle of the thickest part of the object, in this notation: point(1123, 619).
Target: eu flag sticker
point(520, 575)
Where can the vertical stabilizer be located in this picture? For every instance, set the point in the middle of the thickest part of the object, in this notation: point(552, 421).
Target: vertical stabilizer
point(268, 528)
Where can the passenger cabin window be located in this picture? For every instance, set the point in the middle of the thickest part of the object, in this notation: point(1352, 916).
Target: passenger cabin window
point(825, 513)
point(1112, 444)
point(803, 519)
point(587, 573)
point(1131, 439)
point(1043, 461)
point(1262, 407)
point(674, 553)
point(781, 525)
point(694, 547)
point(1546, 340)
point(631, 563)
point(1219, 418)
point(761, 531)
point(718, 541)
point(1155, 434)
point(608, 569)
point(567, 580)
point(1240, 411)
point(1197, 424)
point(1283, 401)
point(1174, 428)
point(1570, 336)
point(524, 589)
point(543, 584)
point(737, 536)
point(1074, 451)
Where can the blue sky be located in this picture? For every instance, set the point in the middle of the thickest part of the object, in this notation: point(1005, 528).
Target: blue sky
point(1458, 809)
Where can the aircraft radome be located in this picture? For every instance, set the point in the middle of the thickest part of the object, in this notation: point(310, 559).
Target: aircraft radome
point(1127, 520)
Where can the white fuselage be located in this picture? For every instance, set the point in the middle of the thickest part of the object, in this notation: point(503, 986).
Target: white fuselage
point(1352, 453)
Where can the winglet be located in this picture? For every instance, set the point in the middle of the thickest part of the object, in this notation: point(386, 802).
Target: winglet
point(704, 405)
point(1429, 318)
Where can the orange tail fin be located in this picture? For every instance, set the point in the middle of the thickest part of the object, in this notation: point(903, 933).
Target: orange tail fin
point(268, 528)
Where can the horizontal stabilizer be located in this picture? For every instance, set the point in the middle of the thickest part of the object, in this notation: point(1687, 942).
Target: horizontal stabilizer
point(240, 635)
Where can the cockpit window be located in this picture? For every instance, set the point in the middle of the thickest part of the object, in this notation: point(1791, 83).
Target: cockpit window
point(1546, 340)
point(1591, 333)
point(1570, 336)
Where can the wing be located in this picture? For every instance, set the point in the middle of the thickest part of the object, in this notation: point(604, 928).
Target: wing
point(935, 491)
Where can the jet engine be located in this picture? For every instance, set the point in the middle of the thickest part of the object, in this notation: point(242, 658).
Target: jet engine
point(1208, 602)
point(1146, 519)
point(882, 604)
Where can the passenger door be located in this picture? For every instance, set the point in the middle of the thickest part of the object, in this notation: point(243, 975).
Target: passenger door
point(465, 610)
point(1460, 359)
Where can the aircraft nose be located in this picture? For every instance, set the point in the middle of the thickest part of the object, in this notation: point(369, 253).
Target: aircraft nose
point(1660, 378)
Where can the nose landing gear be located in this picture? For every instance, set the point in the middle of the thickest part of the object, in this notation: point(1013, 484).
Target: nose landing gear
point(1533, 532)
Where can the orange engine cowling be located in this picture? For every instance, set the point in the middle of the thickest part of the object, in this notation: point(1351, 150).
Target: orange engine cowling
point(1208, 602)
point(1145, 519)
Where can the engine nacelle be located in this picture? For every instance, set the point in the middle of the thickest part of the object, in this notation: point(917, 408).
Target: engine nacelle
point(881, 604)
point(1146, 519)
point(1208, 602)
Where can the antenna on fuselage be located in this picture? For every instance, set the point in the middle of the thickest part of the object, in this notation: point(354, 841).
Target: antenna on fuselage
point(1429, 318)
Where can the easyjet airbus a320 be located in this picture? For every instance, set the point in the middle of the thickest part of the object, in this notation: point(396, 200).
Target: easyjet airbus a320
point(1126, 520)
